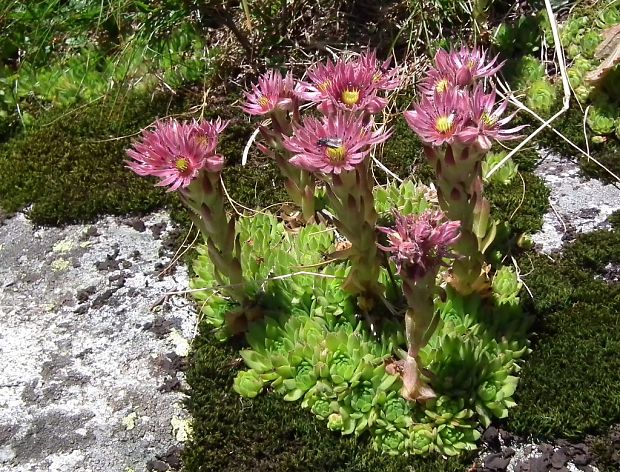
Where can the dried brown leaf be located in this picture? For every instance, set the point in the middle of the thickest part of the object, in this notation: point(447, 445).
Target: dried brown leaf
point(609, 51)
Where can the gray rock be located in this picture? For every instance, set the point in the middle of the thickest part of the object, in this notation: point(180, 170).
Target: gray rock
point(80, 389)
point(496, 462)
point(578, 205)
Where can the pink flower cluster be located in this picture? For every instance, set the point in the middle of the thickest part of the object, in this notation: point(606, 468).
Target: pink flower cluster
point(455, 107)
point(334, 143)
point(273, 92)
point(349, 85)
point(346, 92)
point(418, 243)
point(177, 152)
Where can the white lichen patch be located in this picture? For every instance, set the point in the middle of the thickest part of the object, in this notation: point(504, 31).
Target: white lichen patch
point(84, 356)
point(63, 247)
point(181, 428)
point(60, 264)
point(181, 344)
point(576, 203)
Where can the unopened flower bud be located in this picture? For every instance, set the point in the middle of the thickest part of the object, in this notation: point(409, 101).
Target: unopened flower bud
point(463, 76)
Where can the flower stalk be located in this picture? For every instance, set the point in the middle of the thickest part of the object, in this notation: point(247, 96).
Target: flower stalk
point(335, 149)
point(458, 121)
point(274, 97)
point(419, 246)
point(350, 196)
point(205, 198)
point(183, 155)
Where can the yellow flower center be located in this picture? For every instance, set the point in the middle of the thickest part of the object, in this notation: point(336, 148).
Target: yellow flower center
point(203, 140)
point(182, 164)
point(350, 96)
point(444, 124)
point(442, 85)
point(471, 64)
point(323, 86)
point(377, 77)
point(488, 119)
point(263, 102)
point(336, 154)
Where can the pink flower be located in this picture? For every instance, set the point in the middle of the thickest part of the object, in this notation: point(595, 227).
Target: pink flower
point(486, 123)
point(353, 89)
point(176, 152)
point(437, 82)
point(384, 77)
point(466, 65)
point(420, 242)
point(333, 144)
point(439, 120)
point(207, 134)
point(272, 92)
point(348, 85)
point(321, 76)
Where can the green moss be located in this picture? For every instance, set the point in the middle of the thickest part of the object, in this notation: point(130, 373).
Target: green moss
point(258, 183)
point(268, 434)
point(256, 186)
point(527, 159)
point(594, 251)
point(70, 167)
point(522, 203)
point(403, 154)
point(614, 220)
point(571, 383)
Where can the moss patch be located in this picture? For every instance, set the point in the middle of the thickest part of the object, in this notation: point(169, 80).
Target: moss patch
point(403, 154)
point(522, 203)
point(256, 186)
point(70, 167)
point(268, 434)
point(571, 383)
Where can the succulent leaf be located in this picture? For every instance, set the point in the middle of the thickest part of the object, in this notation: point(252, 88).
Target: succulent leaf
point(248, 383)
point(506, 286)
point(541, 96)
point(528, 70)
point(504, 174)
point(601, 117)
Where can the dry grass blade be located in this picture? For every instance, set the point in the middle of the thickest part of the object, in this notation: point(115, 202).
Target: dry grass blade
point(268, 279)
point(565, 86)
point(248, 146)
